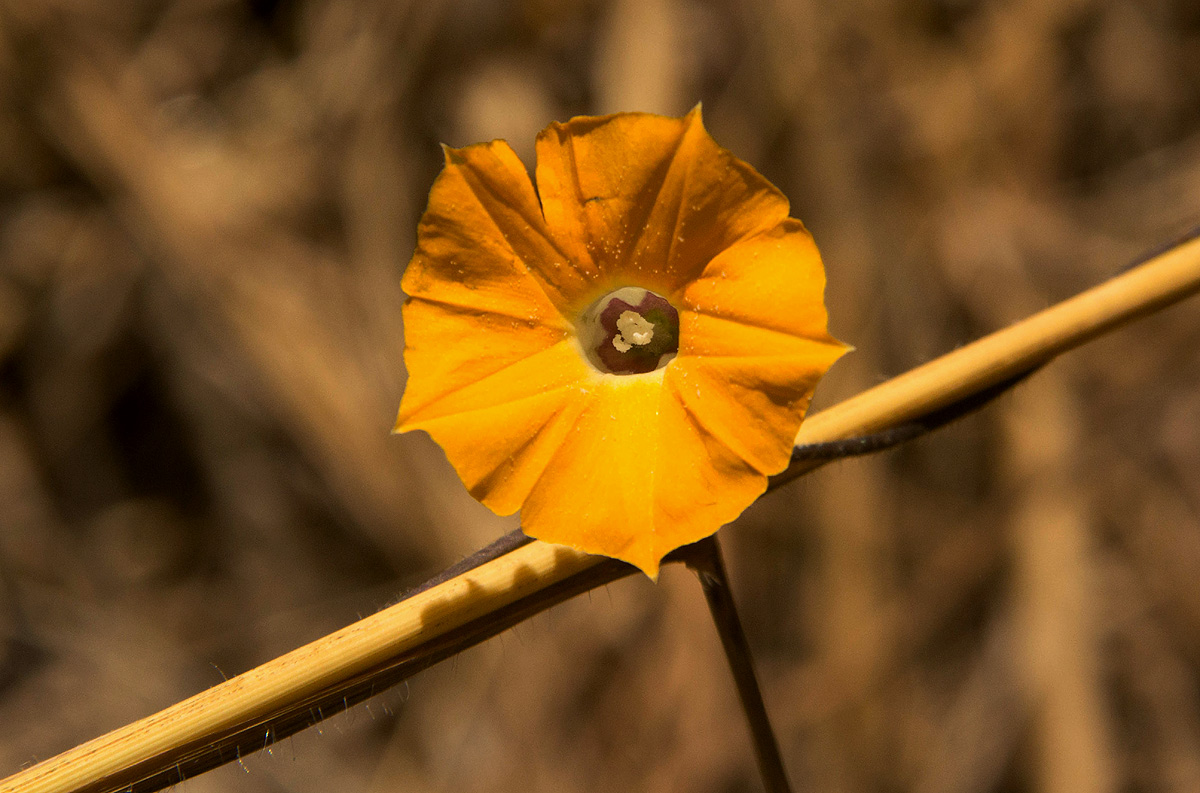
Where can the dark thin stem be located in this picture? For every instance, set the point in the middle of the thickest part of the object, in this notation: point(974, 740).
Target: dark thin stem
point(158, 773)
point(705, 558)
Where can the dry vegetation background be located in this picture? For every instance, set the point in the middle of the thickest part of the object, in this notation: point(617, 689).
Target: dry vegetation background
point(205, 210)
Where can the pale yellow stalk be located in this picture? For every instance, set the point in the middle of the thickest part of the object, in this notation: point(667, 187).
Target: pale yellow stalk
point(324, 664)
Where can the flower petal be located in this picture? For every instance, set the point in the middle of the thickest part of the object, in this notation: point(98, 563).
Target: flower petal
point(483, 244)
point(754, 343)
point(711, 336)
point(447, 349)
point(753, 405)
point(474, 305)
point(499, 432)
point(773, 280)
point(637, 477)
point(650, 199)
point(702, 485)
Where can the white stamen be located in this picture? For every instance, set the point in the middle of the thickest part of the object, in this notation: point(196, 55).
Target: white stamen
point(632, 329)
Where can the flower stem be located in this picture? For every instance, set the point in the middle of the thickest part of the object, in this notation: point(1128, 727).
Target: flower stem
point(705, 559)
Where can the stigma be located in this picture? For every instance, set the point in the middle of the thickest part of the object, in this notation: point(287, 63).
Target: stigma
point(632, 328)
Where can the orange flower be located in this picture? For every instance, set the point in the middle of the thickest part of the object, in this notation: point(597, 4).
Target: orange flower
point(624, 355)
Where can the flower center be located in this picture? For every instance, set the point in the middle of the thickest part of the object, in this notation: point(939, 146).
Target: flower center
point(629, 331)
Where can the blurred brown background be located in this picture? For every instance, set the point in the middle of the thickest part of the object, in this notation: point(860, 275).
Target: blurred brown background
point(205, 211)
